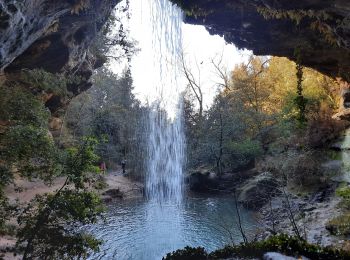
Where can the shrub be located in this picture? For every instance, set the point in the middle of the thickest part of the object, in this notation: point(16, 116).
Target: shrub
point(280, 243)
point(339, 225)
point(344, 192)
point(188, 253)
point(240, 154)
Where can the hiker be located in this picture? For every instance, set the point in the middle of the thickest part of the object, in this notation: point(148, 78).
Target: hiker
point(123, 165)
point(103, 167)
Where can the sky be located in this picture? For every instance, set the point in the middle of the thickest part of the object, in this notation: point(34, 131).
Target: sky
point(198, 48)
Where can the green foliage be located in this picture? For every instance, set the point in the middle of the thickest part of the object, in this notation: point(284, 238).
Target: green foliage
point(19, 106)
point(188, 253)
point(300, 100)
point(344, 192)
point(80, 161)
point(34, 153)
point(242, 153)
point(110, 111)
point(42, 80)
point(48, 224)
point(263, 100)
point(192, 9)
point(283, 244)
point(26, 143)
point(280, 243)
point(339, 225)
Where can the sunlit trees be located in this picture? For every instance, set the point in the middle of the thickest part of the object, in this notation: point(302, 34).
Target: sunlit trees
point(256, 101)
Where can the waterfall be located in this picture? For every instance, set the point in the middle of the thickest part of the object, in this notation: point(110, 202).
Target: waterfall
point(161, 46)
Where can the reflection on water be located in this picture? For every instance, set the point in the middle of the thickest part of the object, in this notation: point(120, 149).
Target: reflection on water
point(142, 230)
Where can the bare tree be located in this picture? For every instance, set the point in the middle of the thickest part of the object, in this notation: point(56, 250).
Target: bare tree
point(194, 84)
point(221, 72)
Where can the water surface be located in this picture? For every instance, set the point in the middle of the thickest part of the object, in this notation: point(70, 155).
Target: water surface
point(142, 230)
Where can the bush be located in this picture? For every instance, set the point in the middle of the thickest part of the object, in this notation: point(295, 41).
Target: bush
point(188, 253)
point(280, 243)
point(241, 154)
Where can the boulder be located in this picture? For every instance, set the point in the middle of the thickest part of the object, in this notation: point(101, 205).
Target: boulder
point(257, 191)
point(203, 181)
point(111, 194)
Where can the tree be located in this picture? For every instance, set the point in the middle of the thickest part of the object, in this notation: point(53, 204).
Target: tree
point(46, 223)
point(112, 113)
point(194, 85)
point(25, 145)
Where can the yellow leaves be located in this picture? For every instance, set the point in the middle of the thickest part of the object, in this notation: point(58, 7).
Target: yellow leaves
point(273, 87)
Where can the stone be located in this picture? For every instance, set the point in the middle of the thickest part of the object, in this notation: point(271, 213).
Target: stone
point(257, 191)
point(113, 193)
point(55, 123)
point(49, 35)
point(342, 115)
point(202, 182)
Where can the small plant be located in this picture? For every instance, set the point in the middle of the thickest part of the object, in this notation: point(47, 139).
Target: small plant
point(339, 225)
point(344, 192)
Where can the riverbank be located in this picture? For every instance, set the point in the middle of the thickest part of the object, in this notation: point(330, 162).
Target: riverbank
point(310, 213)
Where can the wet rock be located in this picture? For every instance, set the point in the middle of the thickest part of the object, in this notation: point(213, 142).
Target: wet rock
point(322, 195)
point(257, 191)
point(336, 146)
point(203, 182)
point(113, 194)
point(333, 166)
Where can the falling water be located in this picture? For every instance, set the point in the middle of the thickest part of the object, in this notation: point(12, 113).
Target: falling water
point(148, 229)
point(166, 137)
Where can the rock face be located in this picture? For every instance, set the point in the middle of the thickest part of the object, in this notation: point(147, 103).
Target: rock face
point(206, 181)
point(53, 35)
point(344, 106)
point(203, 182)
point(321, 28)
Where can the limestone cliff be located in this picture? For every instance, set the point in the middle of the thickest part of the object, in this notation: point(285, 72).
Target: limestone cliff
point(52, 35)
point(320, 28)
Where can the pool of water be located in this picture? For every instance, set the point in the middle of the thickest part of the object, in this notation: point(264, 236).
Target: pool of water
point(144, 230)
